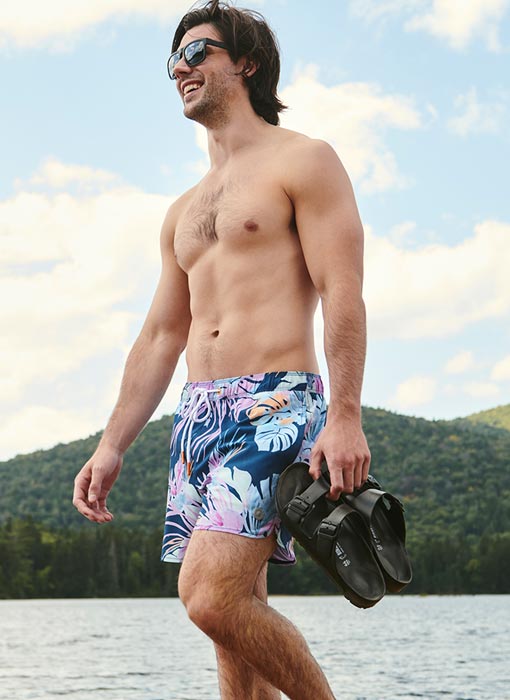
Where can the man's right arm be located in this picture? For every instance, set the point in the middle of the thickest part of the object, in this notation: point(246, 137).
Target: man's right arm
point(149, 368)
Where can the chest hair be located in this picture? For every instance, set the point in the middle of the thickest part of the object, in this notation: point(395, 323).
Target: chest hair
point(202, 214)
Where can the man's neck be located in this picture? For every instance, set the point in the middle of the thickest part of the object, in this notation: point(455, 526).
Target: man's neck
point(241, 131)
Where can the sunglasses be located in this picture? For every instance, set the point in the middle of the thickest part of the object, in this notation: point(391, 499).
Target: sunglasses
point(194, 53)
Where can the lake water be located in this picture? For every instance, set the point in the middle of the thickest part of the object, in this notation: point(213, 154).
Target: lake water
point(406, 647)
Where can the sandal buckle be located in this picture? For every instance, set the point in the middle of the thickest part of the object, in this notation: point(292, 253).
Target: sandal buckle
point(328, 529)
point(298, 506)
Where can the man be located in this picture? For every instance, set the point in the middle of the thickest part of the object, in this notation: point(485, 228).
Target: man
point(246, 255)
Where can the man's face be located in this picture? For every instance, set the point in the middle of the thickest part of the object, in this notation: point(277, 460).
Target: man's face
point(207, 89)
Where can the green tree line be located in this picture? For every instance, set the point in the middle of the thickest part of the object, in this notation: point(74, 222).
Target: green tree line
point(40, 562)
point(452, 476)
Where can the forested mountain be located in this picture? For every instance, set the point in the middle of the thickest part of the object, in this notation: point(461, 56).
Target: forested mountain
point(498, 417)
point(453, 477)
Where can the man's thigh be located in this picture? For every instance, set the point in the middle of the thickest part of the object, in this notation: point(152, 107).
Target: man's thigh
point(227, 566)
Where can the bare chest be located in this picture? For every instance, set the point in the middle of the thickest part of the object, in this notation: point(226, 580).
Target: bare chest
point(239, 215)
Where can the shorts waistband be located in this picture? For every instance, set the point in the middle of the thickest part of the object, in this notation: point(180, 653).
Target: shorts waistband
point(255, 383)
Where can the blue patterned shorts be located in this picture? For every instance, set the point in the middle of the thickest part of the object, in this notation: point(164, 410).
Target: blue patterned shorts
point(231, 440)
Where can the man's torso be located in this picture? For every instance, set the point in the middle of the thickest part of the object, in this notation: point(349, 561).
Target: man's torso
point(252, 300)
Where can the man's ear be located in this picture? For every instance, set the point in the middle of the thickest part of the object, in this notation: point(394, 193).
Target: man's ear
point(249, 68)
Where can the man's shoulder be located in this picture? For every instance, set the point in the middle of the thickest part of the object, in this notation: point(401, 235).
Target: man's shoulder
point(172, 216)
point(304, 155)
point(301, 145)
point(181, 201)
point(307, 160)
point(176, 208)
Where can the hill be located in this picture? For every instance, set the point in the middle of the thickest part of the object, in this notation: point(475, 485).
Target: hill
point(498, 417)
point(452, 476)
point(40, 484)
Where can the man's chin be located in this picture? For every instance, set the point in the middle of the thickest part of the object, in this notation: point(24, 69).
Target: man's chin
point(194, 115)
point(205, 112)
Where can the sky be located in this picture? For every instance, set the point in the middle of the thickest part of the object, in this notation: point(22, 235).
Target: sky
point(413, 95)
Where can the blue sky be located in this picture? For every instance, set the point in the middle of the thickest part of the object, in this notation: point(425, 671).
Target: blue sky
point(414, 97)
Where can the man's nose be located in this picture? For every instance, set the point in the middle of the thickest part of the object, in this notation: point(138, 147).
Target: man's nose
point(181, 68)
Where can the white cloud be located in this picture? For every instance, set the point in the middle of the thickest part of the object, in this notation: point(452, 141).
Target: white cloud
point(437, 290)
point(200, 167)
point(77, 275)
point(70, 268)
point(501, 370)
point(400, 233)
point(459, 21)
point(460, 363)
point(36, 426)
point(481, 390)
point(58, 175)
point(47, 426)
point(476, 116)
point(415, 391)
point(456, 21)
point(30, 23)
point(373, 10)
point(353, 117)
point(43, 353)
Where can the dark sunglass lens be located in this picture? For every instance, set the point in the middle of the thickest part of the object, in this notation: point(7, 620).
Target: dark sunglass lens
point(194, 53)
point(172, 62)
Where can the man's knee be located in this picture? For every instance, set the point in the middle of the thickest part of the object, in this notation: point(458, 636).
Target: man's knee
point(216, 621)
point(219, 575)
point(211, 609)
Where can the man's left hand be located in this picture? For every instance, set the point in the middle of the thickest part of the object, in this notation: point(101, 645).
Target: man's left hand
point(342, 443)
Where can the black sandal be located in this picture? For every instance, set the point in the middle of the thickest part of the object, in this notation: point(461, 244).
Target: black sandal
point(384, 516)
point(332, 533)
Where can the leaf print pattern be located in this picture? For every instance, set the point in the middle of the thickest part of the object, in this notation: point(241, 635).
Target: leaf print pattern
point(264, 409)
point(277, 418)
point(231, 440)
point(275, 437)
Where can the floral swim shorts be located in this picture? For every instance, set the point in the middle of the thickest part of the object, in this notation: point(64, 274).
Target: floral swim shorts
point(231, 440)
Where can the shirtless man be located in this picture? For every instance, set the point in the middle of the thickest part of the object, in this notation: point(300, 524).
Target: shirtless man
point(246, 255)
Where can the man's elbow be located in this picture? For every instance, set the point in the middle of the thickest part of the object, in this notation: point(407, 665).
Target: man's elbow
point(341, 288)
point(171, 339)
point(176, 339)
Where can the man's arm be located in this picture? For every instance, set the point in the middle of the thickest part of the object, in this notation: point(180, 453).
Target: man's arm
point(147, 374)
point(331, 237)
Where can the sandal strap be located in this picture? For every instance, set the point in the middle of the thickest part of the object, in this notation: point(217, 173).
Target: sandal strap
point(327, 532)
point(366, 501)
point(302, 504)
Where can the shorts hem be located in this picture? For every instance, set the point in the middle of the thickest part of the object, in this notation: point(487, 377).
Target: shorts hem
point(232, 532)
point(174, 559)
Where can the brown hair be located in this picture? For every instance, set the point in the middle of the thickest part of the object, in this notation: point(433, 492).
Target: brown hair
point(246, 34)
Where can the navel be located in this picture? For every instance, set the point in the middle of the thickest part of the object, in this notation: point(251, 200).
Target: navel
point(215, 334)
